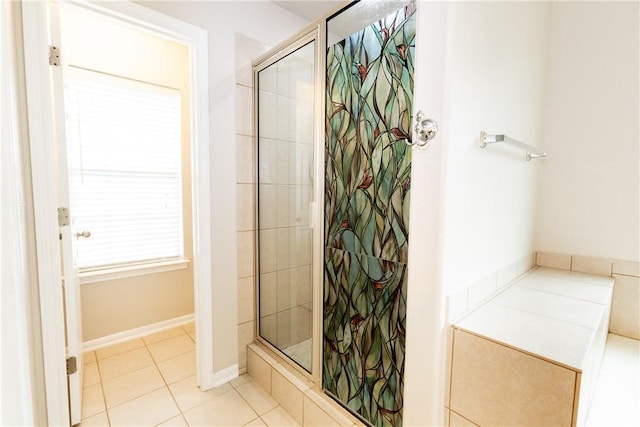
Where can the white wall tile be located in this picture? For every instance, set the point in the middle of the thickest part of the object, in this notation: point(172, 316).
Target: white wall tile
point(244, 159)
point(300, 244)
point(268, 161)
point(303, 130)
point(625, 308)
point(245, 254)
point(283, 206)
point(284, 152)
point(268, 293)
point(244, 110)
point(300, 325)
point(553, 260)
point(303, 173)
point(246, 299)
point(627, 268)
point(267, 206)
point(284, 118)
point(244, 205)
point(269, 328)
point(283, 319)
point(301, 285)
point(268, 117)
point(283, 248)
point(591, 265)
point(284, 290)
point(268, 251)
point(245, 337)
point(246, 50)
point(283, 78)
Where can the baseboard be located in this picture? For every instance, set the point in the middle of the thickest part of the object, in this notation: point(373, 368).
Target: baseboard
point(225, 375)
point(136, 333)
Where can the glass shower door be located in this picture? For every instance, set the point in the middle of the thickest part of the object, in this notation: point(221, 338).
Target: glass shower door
point(285, 191)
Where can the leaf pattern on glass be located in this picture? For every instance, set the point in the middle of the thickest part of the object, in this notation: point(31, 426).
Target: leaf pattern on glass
point(367, 193)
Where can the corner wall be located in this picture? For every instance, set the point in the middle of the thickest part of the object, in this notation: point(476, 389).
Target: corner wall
point(496, 62)
point(589, 192)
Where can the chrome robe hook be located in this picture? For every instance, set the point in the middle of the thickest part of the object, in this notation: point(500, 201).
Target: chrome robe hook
point(425, 128)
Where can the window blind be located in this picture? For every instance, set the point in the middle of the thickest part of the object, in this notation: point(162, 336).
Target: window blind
point(124, 160)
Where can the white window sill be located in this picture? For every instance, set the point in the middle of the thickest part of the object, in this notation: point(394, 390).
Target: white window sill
point(132, 271)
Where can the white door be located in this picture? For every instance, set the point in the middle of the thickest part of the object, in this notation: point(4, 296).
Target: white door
point(68, 234)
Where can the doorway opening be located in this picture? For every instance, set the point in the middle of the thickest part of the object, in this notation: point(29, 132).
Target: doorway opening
point(41, 27)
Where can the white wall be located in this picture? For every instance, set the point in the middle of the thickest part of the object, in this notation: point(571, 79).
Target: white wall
point(270, 24)
point(496, 64)
point(21, 394)
point(480, 66)
point(588, 202)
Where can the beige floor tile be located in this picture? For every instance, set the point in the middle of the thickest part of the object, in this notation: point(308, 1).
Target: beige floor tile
point(278, 417)
point(98, 420)
point(148, 410)
point(255, 423)
point(163, 335)
point(171, 347)
point(189, 327)
point(179, 367)
point(178, 421)
point(256, 397)
point(134, 384)
point(116, 349)
point(88, 356)
point(90, 374)
point(240, 380)
point(124, 363)
point(188, 395)
point(228, 410)
point(92, 401)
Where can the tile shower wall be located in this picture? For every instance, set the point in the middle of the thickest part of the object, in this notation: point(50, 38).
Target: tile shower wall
point(367, 184)
point(286, 189)
point(246, 49)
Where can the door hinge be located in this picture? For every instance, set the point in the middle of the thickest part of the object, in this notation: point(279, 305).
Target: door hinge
point(54, 56)
point(63, 217)
point(72, 365)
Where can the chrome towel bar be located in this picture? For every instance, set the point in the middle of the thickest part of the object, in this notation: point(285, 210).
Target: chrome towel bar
point(532, 152)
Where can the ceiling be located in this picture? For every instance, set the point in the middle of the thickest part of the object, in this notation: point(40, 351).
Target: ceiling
point(309, 9)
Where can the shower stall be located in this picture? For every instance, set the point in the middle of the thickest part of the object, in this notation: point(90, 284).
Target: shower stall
point(333, 172)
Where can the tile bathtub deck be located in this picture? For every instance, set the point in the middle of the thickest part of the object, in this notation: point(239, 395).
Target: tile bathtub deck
point(151, 381)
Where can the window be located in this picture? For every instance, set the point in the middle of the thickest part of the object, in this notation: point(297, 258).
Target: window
point(124, 159)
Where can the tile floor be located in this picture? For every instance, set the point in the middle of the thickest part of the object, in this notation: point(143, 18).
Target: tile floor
point(616, 400)
point(150, 381)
